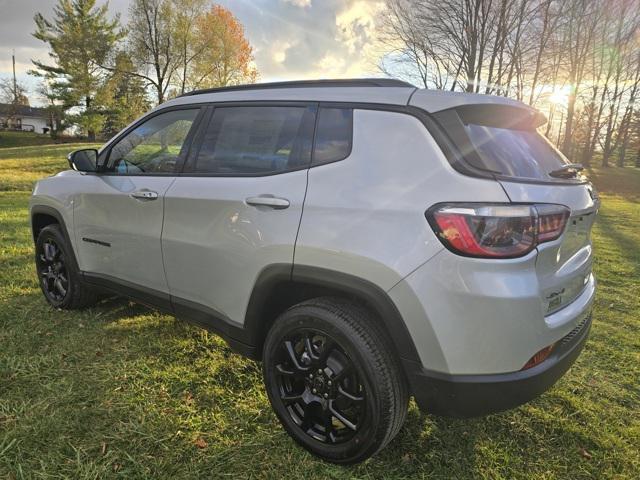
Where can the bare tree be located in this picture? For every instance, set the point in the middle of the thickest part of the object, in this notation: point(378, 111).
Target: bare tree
point(529, 50)
point(151, 43)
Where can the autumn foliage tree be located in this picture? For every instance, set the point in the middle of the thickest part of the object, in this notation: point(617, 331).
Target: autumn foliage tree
point(179, 45)
point(226, 57)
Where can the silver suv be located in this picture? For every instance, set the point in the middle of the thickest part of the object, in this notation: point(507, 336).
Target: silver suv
point(367, 240)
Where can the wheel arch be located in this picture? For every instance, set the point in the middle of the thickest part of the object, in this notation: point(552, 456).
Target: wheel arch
point(281, 286)
point(42, 216)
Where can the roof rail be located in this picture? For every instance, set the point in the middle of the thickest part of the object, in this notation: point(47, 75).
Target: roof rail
point(351, 82)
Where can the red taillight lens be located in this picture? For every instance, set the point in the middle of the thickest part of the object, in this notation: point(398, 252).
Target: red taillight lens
point(539, 357)
point(551, 221)
point(497, 231)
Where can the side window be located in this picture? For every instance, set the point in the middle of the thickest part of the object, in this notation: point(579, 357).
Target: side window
point(154, 146)
point(256, 140)
point(333, 135)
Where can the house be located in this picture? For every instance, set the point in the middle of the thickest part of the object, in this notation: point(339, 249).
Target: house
point(23, 117)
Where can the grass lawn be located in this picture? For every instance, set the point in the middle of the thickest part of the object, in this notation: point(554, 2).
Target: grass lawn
point(122, 391)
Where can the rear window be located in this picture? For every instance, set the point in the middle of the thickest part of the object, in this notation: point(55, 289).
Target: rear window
point(333, 135)
point(514, 153)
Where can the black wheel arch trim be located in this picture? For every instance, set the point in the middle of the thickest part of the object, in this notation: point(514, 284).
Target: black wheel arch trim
point(52, 212)
point(350, 285)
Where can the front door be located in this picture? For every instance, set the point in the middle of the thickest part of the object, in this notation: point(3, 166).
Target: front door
point(118, 215)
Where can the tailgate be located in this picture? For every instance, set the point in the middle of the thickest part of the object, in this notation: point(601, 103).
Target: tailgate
point(563, 266)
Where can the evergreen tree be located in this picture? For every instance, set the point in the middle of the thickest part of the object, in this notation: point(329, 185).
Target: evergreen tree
point(81, 38)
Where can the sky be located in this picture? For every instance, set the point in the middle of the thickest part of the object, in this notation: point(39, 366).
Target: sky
point(292, 39)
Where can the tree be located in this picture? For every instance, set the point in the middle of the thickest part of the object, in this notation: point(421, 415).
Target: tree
point(186, 43)
point(56, 109)
point(125, 96)
point(15, 94)
point(530, 50)
point(225, 55)
point(81, 38)
point(151, 43)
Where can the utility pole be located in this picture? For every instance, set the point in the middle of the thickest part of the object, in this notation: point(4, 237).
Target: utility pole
point(15, 83)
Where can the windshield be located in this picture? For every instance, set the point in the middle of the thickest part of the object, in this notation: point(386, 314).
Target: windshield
point(515, 153)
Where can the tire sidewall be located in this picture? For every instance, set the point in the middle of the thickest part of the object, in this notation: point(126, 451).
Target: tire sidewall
point(54, 233)
point(365, 441)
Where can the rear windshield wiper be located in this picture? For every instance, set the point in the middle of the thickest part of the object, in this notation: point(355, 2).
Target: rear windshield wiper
point(567, 171)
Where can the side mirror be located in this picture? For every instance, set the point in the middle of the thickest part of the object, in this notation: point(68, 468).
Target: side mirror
point(85, 160)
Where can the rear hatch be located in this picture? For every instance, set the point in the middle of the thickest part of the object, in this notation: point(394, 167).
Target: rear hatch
point(502, 141)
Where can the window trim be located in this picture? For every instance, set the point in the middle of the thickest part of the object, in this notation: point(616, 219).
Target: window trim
point(199, 139)
point(431, 122)
point(105, 153)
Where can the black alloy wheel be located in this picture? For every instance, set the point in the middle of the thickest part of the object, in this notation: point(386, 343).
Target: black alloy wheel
point(58, 274)
point(320, 387)
point(333, 380)
point(52, 270)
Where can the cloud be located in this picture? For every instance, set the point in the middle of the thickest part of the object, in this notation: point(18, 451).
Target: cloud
point(292, 39)
point(328, 38)
point(299, 3)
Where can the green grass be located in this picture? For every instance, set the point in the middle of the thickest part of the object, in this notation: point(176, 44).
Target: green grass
point(122, 391)
point(10, 139)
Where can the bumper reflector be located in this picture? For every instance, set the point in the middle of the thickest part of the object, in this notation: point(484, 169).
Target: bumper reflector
point(539, 357)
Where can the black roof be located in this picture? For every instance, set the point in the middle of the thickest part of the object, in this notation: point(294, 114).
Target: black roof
point(22, 110)
point(350, 82)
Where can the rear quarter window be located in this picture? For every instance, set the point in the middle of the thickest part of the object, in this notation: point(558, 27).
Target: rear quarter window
point(334, 133)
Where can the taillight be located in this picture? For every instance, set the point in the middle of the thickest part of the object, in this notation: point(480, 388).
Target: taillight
point(496, 231)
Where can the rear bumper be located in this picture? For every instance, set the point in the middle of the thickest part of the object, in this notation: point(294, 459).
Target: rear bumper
point(475, 395)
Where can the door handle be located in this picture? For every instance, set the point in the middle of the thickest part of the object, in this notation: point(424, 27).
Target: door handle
point(268, 201)
point(144, 195)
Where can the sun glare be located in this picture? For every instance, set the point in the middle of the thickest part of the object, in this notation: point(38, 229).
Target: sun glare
point(560, 96)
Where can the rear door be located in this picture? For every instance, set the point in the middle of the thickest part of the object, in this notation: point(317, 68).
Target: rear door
point(237, 206)
point(119, 213)
point(506, 144)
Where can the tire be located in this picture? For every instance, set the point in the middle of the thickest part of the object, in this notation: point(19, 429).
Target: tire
point(58, 273)
point(333, 381)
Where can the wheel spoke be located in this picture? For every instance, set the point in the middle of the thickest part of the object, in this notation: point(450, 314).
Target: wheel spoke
point(58, 286)
point(340, 376)
point(328, 426)
point(327, 347)
point(344, 420)
point(48, 252)
point(282, 370)
point(293, 357)
point(288, 399)
point(308, 346)
point(306, 418)
point(350, 396)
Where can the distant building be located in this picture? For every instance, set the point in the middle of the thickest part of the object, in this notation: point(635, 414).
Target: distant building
point(25, 118)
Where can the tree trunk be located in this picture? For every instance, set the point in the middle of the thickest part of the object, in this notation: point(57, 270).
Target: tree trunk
point(91, 134)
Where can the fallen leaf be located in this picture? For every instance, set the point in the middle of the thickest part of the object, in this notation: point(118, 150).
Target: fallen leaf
point(116, 467)
point(103, 449)
point(201, 443)
point(585, 454)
